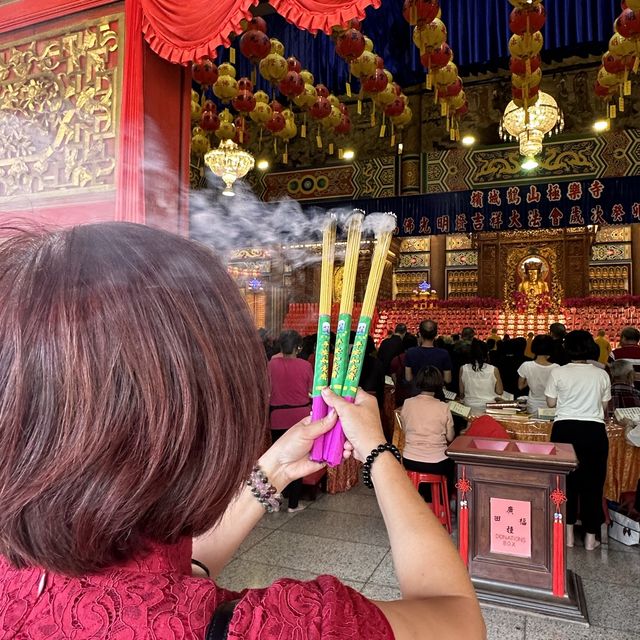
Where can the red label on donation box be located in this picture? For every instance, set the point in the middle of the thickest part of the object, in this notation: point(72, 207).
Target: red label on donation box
point(511, 527)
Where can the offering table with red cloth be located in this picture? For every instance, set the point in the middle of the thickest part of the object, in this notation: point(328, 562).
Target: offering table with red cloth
point(623, 465)
point(511, 513)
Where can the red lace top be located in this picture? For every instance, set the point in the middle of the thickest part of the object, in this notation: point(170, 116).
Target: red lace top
point(156, 597)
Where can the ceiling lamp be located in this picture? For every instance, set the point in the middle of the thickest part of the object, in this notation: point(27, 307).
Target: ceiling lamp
point(230, 162)
point(530, 126)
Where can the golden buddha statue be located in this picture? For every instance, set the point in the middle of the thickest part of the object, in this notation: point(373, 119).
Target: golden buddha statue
point(533, 285)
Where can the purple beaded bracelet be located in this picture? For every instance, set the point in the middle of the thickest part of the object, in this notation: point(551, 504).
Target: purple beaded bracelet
point(264, 491)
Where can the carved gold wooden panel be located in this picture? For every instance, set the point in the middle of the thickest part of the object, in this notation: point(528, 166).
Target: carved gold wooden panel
point(59, 111)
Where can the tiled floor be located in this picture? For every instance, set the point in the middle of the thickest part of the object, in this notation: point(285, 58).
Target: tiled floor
point(344, 535)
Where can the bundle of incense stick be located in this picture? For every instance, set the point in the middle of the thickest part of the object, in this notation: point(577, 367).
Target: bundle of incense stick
point(343, 332)
point(384, 225)
point(321, 370)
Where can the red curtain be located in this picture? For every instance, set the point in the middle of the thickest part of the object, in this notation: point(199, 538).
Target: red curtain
point(185, 30)
point(321, 15)
point(130, 179)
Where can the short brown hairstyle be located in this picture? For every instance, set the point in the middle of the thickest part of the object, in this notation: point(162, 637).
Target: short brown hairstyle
point(122, 415)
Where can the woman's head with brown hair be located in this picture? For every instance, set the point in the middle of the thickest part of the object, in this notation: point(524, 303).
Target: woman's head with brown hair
point(124, 415)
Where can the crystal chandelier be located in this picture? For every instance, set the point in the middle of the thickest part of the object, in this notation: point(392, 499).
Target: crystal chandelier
point(229, 162)
point(530, 126)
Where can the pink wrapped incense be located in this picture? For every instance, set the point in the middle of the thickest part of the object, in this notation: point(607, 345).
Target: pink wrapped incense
point(383, 224)
point(343, 333)
point(321, 370)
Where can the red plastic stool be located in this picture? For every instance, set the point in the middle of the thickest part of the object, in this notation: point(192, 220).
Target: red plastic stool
point(439, 495)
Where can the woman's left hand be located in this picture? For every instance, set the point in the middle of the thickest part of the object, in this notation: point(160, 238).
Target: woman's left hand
point(288, 458)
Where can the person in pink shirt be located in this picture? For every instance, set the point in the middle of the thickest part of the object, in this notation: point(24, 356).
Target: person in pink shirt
point(428, 426)
point(291, 381)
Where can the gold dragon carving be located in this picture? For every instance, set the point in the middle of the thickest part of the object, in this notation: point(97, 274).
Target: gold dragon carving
point(59, 110)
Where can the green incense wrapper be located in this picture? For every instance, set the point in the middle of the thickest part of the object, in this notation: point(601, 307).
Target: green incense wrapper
point(341, 353)
point(321, 369)
point(350, 386)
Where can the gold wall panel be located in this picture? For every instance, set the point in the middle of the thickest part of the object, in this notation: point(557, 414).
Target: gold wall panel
point(414, 261)
point(462, 258)
point(59, 111)
point(421, 243)
point(458, 241)
point(613, 234)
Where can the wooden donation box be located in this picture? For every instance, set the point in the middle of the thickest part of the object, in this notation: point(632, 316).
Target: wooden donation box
point(511, 524)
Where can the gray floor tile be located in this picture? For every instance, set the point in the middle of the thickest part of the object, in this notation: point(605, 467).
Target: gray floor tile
point(346, 560)
point(385, 573)
point(276, 520)
point(502, 624)
point(241, 574)
point(258, 534)
point(539, 628)
point(343, 526)
point(605, 565)
point(349, 502)
point(613, 606)
point(381, 592)
point(614, 545)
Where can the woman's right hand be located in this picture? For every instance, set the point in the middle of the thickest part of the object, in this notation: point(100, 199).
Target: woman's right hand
point(360, 422)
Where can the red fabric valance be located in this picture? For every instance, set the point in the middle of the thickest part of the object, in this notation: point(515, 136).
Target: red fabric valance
point(184, 30)
point(321, 15)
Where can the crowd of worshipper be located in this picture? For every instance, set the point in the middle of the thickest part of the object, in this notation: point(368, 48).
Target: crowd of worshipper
point(582, 378)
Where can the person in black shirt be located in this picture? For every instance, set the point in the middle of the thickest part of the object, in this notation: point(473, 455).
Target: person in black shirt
point(391, 347)
point(558, 332)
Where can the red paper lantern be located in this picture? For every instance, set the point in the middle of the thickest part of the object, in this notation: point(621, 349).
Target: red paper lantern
point(438, 58)
point(321, 108)
point(204, 71)
point(613, 64)
point(397, 89)
point(244, 84)
point(255, 45)
point(379, 63)
point(244, 102)
point(258, 24)
point(350, 45)
point(519, 65)
point(210, 105)
point(345, 125)
point(276, 106)
point(527, 20)
point(395, 108)
point(602, 91)
point(293, 64)
point(628, 23)
point(452, 89)
point(322, 91)
point(291, 85)
point(463, 110)
point(276, 122)
point(415, 11)
point(209, 121)
point(375, 83)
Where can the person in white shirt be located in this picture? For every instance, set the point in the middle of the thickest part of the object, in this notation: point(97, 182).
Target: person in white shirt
point(580, 393)
point(480, 382)
point(535, 373)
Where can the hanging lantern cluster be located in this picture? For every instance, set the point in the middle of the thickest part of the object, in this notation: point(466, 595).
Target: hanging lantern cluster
point(376, 82)
point(430, 36)
point(622, 57)
point(532, 114)
point(525, 45)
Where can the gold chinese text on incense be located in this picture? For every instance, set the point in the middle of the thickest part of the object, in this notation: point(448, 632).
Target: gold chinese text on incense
point(59, 111)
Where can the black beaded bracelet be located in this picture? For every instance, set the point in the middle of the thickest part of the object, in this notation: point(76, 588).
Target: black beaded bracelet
point(366, 469)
